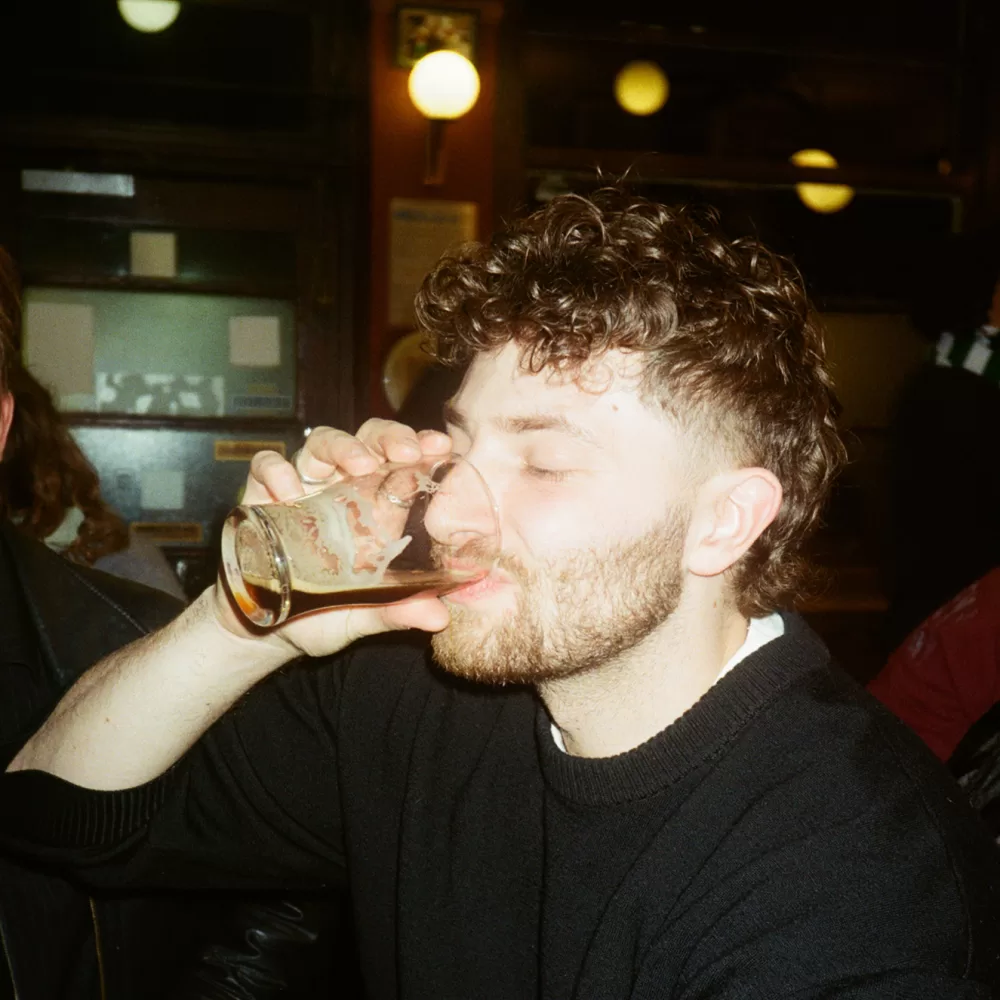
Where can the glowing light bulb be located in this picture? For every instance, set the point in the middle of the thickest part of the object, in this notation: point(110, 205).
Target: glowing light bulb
point(823, 198)
point(149, 15)
point(443, 85)
point(641, 88)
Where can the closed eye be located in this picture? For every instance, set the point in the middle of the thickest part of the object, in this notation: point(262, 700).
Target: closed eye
point(551, 475)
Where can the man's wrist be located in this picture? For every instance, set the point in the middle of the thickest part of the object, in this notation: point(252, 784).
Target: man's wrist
point(255, 649)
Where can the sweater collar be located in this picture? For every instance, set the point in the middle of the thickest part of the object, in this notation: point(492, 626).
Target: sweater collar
point(700, 734)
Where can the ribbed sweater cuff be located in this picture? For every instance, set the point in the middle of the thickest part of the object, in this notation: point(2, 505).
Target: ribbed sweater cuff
point(52, 815)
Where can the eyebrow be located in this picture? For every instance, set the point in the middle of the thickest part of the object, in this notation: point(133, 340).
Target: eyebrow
point(525, 424)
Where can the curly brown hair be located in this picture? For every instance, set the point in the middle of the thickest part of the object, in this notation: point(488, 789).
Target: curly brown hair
point(43, 473)
point(729, 342)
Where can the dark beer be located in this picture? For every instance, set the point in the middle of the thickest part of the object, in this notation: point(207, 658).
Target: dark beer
point(306, 599)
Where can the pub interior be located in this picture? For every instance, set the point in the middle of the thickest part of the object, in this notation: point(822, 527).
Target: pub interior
point(220, 209)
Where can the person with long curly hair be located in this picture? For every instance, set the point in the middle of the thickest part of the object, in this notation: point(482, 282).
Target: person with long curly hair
point(632, 770)
point(51, 492)
point(49, 489)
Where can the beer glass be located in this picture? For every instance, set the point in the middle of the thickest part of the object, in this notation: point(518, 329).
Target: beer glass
point(404, 529)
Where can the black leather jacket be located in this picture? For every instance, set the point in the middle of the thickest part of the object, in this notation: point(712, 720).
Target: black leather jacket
point(58, 942)
point(976, 765)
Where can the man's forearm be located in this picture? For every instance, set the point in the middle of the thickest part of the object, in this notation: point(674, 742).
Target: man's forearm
point(135, 713)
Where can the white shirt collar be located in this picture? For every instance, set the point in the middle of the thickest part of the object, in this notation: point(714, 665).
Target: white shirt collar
point(760, 631)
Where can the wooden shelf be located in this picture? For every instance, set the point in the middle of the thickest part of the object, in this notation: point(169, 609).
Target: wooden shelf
point(675, 168)
point(219, 425)
point(632, 32)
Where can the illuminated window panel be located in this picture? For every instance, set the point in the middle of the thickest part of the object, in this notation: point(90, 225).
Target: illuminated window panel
point(163, 354)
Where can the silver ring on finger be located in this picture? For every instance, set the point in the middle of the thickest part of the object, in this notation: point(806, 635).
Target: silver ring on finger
point(308, 480)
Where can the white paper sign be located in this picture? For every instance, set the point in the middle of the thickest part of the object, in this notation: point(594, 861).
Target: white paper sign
point(255, 341)
point(153, 255)
point(161, 489)
point(59, 347)
point(420, 230)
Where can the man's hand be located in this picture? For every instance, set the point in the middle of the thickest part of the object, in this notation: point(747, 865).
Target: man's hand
point(132, 715)
point(327, 455)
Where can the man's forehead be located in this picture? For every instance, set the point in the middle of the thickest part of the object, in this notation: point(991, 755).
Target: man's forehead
point(503, 379)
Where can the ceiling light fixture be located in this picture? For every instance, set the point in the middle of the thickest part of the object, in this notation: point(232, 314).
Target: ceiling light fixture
point(822, 198)
point(641, 88)
point(149, 15)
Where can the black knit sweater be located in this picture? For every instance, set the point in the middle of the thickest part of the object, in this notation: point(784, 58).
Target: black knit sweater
point(785, 837)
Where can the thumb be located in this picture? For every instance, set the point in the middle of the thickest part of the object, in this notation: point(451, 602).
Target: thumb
point(423, 611)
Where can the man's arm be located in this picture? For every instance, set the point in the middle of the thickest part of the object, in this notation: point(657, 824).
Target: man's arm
point(139, 710)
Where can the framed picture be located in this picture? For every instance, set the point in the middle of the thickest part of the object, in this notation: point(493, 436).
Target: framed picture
point(420, 30)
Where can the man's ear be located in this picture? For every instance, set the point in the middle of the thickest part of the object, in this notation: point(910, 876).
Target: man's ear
point(730, 513)
point(6, 416)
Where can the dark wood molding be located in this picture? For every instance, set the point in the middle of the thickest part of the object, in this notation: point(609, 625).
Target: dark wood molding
point(255, 289)
point(652, 167)
point(509, 131)
point(619, 31)
point(179, 148)
point(283, 6)
point(221, 425)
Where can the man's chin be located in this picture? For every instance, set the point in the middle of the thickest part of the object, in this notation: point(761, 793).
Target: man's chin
point(471, 648)
point(464, 636)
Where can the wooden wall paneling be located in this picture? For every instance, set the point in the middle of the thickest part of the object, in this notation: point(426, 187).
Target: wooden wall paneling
point(509, 136)
point(397, 149)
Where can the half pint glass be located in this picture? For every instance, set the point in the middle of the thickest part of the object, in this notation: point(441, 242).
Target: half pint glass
point(364, 540)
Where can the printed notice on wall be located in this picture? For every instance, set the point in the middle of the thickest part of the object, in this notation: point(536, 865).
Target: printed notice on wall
point(153, 255)
point(228, 450)
point(420, 230)
point(255, 341)
point(161, 489)
point(59, 351)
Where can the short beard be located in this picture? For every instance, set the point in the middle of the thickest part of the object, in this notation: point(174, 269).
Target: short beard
point(573, 614)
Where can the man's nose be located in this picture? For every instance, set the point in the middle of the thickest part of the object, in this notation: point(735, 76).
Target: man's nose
point(463, 508)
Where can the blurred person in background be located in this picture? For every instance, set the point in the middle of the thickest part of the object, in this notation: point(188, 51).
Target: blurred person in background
point(47, 486)
point(944, 480)
point(943, 676)
point(944, 683)
point(52, 493)
point(57, 615)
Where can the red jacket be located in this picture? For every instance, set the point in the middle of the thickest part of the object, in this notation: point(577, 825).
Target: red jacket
point(946, 675)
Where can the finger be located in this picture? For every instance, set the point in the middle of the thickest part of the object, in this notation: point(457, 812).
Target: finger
point(395, 441)
point(434, 443)
point(423, 611)
point(328, 451)
point(271, 479)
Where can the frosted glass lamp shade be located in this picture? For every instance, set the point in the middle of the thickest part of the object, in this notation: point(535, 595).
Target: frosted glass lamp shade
point(641, 88)
point(822, 198)
point(444, 85)
point(149, 15)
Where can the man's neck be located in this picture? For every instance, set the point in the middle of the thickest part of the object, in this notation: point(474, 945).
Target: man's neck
point(627, 701)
